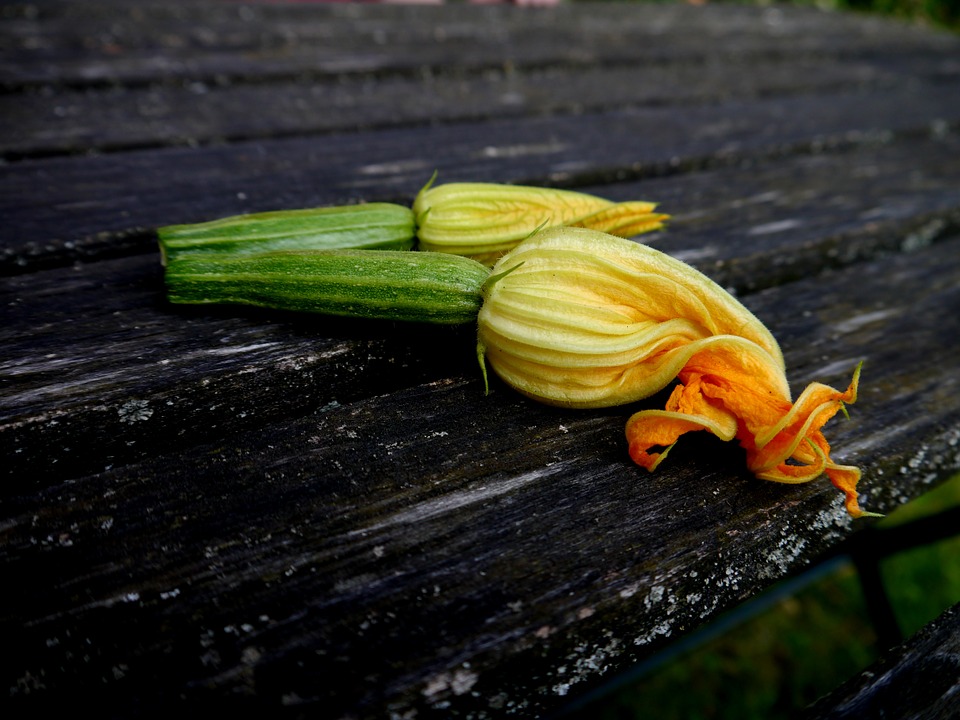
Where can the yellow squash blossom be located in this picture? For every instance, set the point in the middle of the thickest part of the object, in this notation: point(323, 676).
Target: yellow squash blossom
point(579, 318)
point(485, 220)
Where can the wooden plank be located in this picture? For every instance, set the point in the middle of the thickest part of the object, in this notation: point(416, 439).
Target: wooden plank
point(772, 222)
point(110, 43)
point(196, 113)
point(63, 209)
point(917, 679)
point(445, 552)
point(83, 377)
point(203, 107)
point(75, 373)
point(236, 509)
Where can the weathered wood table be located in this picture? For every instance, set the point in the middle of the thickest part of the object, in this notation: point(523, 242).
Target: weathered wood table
point(219, 508)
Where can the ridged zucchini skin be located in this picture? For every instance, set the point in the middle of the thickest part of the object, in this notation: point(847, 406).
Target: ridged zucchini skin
point(411, 286)
point(373, 226)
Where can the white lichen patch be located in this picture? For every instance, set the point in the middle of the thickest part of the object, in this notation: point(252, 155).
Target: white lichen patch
point(664, 601)
point(935, 459)
point(729, 578)
point(585, 661)
point(923, 236)
point(654, 597)
point(833, 522)
point(669, 600)
point(462, 681)
point(781, 558)
point(707, 610)
point(134, 411)
point(458, 682)
point(662, 629)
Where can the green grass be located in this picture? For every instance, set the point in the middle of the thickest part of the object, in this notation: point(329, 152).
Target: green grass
point(924, 581)
point(942, 13)
point(945, 13)
point(804, 646)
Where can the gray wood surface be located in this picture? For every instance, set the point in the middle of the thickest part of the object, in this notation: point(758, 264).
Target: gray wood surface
point(214, 508)
point(919, 679)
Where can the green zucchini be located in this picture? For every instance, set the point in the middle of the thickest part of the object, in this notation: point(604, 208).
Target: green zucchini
point(373, 226)
point(383, 284)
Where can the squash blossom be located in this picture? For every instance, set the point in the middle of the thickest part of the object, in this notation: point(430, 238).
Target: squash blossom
point(577, 318)
point(485, 220)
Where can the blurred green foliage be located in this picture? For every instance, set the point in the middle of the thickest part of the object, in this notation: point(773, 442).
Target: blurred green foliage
point(940, 12)
point(924, 581)
point(944, 13)
point(804, 646)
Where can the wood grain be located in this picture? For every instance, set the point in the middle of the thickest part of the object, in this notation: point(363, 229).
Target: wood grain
point(103, 44)
point(117, 344)
point(214, 509)
point(467, 512)
point(67, 208)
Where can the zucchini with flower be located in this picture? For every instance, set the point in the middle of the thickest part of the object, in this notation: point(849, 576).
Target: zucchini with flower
point(572, 317)
point(478, 220)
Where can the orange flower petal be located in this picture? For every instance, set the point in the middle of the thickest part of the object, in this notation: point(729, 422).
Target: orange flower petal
point(845, 478)
point(687, 410)
point(783, 440)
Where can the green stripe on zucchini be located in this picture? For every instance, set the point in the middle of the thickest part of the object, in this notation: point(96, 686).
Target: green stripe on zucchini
point(388, 285)
point(373, 226)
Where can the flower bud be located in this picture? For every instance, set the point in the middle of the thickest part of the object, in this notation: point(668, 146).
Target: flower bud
point(577, 318)
point(484, 220)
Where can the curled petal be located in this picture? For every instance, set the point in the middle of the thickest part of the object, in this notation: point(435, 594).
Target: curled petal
point(797, 438)
point(845, 479)
point(713, 369)
point(783, 440)
point(687, 410)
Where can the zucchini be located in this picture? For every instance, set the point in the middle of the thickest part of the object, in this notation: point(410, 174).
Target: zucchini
point(373, 226)
point(389, 285)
